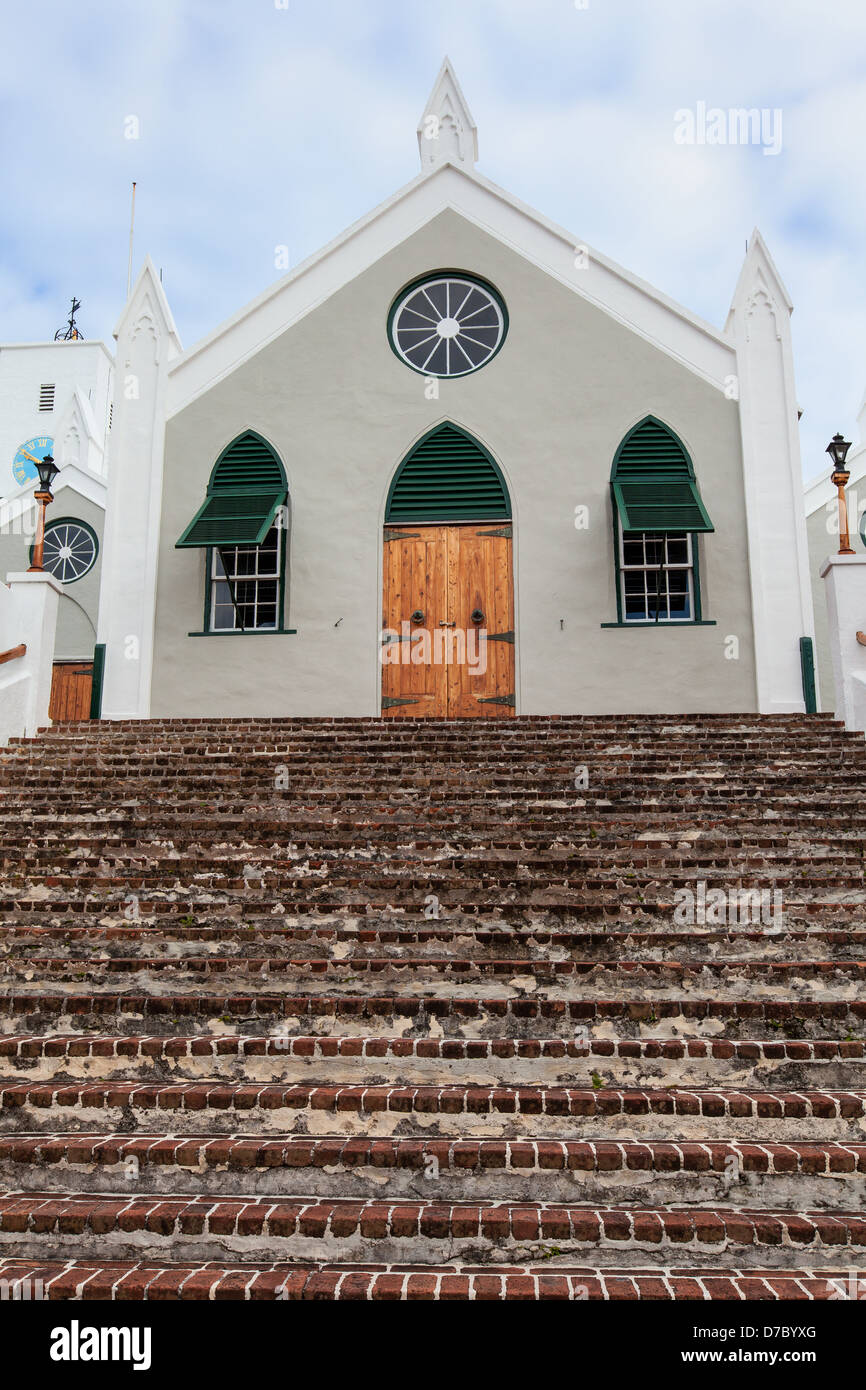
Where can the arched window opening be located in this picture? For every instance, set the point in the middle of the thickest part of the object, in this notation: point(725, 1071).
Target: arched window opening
point(658, 515)
point(243, 526)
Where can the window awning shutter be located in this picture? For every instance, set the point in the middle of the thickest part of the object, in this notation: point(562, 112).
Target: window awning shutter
point(653, 482)
point(232, 517)
point(661, 505)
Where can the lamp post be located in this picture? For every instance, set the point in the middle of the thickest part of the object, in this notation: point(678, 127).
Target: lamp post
point(838, 451)
point(47, 470)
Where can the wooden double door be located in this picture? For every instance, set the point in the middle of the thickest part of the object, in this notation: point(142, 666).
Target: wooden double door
point(448, 622)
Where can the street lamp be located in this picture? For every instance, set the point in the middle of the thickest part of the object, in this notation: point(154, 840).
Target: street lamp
point(838, 451)
point(47, 470)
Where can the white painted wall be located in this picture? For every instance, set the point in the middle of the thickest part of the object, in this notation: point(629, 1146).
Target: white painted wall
point(83, 377)
point(147, 342)
point(845, 579)
point(759, 323)
point(28, 614)
point(822, 528)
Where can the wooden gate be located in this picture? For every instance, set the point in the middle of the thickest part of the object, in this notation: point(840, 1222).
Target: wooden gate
point(71, 683)
point(448, 622)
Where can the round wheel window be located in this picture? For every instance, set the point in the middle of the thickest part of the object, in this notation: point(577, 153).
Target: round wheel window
point(70, 550)
point(447, 325)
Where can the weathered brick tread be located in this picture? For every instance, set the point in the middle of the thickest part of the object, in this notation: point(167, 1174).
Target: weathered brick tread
point(675, 971)
point(84, 1281)
point(662, 1229)
point(242, 1153)
point(59, 1045)
point(447, 1100)
point(829, 1015)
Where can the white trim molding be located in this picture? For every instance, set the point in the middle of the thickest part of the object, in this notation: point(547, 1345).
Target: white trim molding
point(147, 342)
point(759, 322)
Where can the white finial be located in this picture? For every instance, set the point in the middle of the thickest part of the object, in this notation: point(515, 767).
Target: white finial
point(446, 130)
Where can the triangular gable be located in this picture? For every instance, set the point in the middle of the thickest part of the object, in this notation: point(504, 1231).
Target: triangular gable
point(661, 321)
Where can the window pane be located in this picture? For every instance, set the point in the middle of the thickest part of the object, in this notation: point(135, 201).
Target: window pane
point(652, 588)
point(632, 551)
point(253, 582)
point(681, 606)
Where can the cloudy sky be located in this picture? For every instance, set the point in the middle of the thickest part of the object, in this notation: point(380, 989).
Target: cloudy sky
point(278, 122)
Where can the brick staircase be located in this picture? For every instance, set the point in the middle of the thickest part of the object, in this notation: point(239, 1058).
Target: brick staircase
point(404, 1010)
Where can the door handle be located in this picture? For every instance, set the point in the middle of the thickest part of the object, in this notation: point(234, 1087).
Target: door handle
point(442, 623)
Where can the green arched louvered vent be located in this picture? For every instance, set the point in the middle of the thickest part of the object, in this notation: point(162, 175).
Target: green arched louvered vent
point(653, 482)
point(651, 445)
point(448, 476)
point(246, 489)
point(248, 462)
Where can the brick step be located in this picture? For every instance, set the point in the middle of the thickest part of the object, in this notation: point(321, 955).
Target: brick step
point(213, 806)
point(137, 1226)
point(690, 860)
point(551, 791)
point(561, 909)
point(629, 846)
point(412, 884)
point(151, 1281)
point(263, 823)
point(476, 1111)
point(452, 1015)
point(353, 1061)
point(451, 939)
point(560, 979)
point(724, 1173)
point(623, 873)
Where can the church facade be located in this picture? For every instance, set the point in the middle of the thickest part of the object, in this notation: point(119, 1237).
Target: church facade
point(457, 464)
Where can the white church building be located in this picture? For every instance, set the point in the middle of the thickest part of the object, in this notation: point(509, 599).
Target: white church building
point(457, 464)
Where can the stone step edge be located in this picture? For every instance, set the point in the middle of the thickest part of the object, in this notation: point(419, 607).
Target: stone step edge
point(605, 1226)
point(364, 1006)
point(29, 1045)
point(451, 965)
point(435, 1157)
point(733, 1103)
point(145, 1281)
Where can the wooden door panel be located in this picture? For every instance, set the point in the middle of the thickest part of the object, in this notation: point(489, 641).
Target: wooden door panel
point(71, 683)
point(414, 581)
point(446, 665)
point(480, 582)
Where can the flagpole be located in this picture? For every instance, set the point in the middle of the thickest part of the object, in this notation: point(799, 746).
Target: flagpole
point(131, 228)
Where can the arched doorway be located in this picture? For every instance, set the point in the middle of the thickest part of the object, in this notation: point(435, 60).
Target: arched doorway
point(448, 599)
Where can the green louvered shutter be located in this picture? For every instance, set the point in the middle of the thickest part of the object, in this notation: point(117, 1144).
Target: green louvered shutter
point(448, 477)
point(247, 487)
point(654, 485)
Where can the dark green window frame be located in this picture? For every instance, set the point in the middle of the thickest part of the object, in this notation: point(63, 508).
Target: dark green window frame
point(212, 580)
point(653, 480)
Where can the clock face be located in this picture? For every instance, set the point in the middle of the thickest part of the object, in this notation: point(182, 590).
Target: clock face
point(27, 455)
